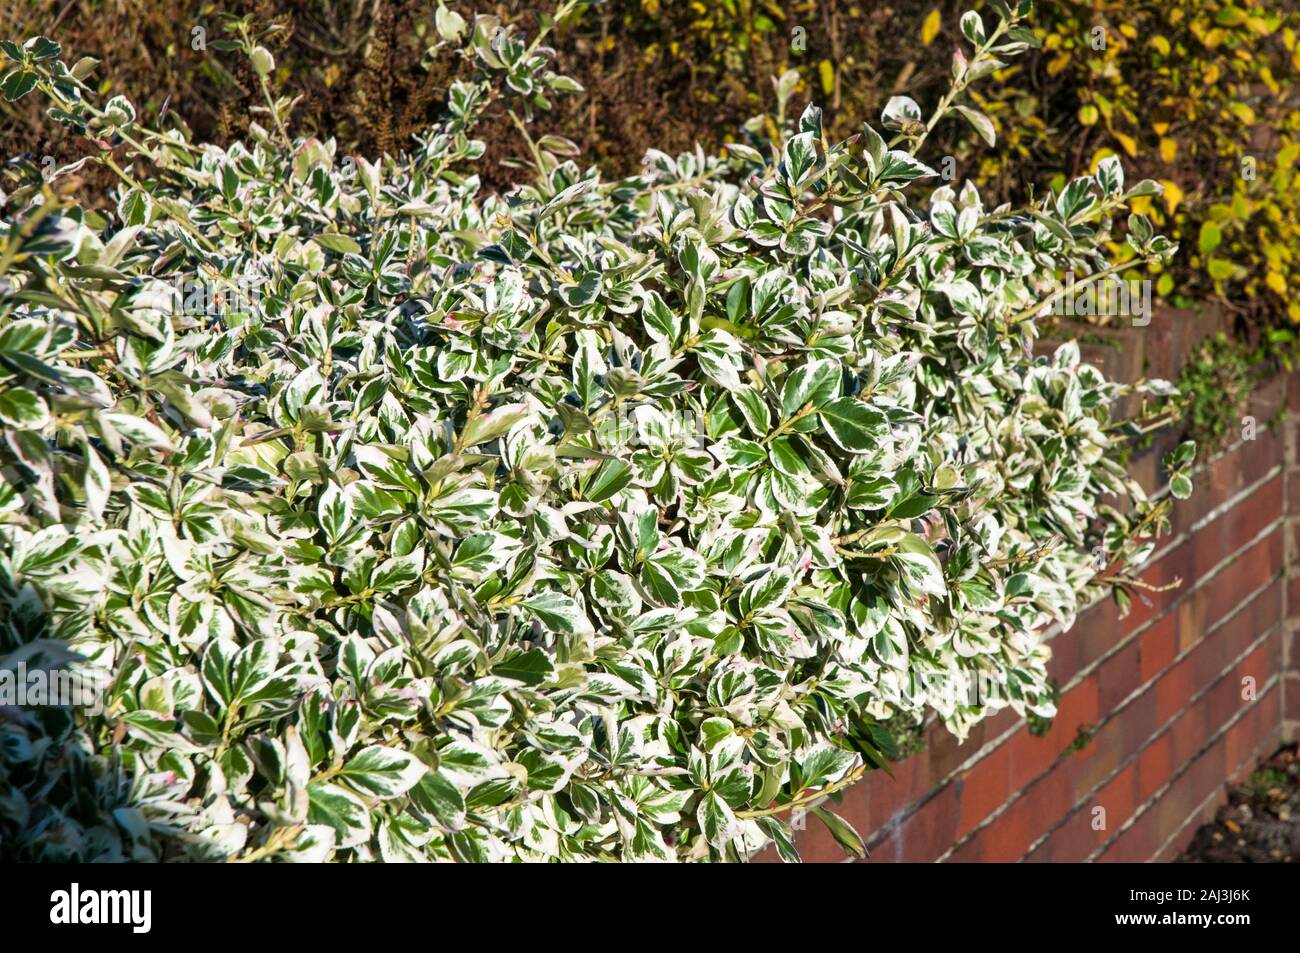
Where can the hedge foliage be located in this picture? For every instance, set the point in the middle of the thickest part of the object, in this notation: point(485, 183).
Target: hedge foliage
point(1198, 94)
point(605, 520)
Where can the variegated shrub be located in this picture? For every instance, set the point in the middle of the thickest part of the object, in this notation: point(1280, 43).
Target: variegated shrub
point(597, 521)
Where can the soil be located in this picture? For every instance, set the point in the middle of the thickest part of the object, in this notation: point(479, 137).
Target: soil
point(1260, 824)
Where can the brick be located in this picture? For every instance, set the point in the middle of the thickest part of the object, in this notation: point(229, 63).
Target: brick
point(1253, 568)
point(1031, 755)
point(927, 834)
point(985, 787)
point(1204, 815)
point(885, 798)
point(1188, 733)
point(1093, 763)
point(1155, 766)
point(1172, 335)
point(1010, 835)
point(1119, 797)
point(1209, 769)
point(946, 754)
point(1190, 616)
point(1071, 842)
point(1157, 648)
point(1269, 400)
point(1293, 593)
point(1135, 845)
point(1227, 475)
point(1232, 530)
point(1242, 739)
point(1291, 697)
point(1192, 560)
point(1293, 489)
point(1166, 817)
point(890, 851)
point(1076, 709)
point(1119, 676)
point(1173, 690)
point(1101, 631)
point(1124, 734)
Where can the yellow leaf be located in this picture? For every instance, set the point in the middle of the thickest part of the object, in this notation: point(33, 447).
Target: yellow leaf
point(1161, 45)
point(1127, 142)
point(1141, 205)
point(827, 72)
point(1212, 74)
point(1219, 268)
point(1243, 112)
point(1102, 153)
point(1058, 64)
point(1211, 237)
point(1173, 194)
point(1168, 149)
point(1276, 282)
point(930, 28)
point(1088, 115)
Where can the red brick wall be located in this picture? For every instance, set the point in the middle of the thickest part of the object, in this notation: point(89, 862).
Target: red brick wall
point(1158, 710)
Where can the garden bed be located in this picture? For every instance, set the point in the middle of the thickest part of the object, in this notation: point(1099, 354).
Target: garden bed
point(1260, 824)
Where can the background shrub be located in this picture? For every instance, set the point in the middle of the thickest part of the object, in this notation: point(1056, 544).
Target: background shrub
point(1199, 94)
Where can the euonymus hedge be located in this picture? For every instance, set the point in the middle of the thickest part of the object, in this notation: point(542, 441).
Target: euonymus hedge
point(603, 520)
